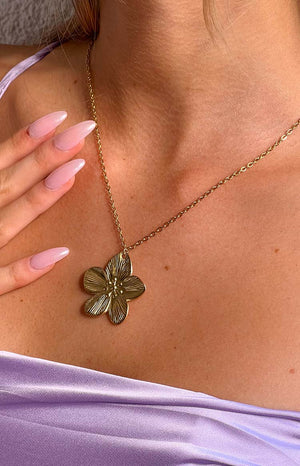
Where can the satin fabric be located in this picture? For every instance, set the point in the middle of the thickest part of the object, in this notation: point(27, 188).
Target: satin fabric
point(59, 414)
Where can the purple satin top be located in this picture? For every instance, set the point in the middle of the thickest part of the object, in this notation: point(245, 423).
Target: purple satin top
point(59, 414)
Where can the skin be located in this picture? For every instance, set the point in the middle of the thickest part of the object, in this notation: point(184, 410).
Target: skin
point(178, 112)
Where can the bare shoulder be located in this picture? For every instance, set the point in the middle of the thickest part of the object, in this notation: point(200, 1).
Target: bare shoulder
point(41, 85)
point(10, 55)
point(37, 87)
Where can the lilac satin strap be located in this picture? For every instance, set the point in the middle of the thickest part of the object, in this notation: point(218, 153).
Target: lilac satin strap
point(14, 72)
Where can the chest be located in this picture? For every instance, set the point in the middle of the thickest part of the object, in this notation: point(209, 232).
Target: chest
point(221, 309)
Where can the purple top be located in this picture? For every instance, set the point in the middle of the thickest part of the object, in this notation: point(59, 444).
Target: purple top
point(59, 414)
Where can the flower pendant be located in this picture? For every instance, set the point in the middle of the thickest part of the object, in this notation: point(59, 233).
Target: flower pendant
point(112, 287)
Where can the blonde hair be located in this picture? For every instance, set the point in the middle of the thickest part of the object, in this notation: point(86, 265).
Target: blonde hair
point(85, 23)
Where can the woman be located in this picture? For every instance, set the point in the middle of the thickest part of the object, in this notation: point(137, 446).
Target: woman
point(205, 367)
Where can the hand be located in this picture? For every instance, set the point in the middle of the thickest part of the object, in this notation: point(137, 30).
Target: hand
point(32, 179)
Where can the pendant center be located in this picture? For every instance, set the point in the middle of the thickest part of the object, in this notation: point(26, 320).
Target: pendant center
point(114, 286)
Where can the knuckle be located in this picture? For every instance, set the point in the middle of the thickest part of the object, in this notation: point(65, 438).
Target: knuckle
point(17, 276)
point(4, 235)
point(17, 143)
point(41, 161)
point(34, 200)
point(17, 140)
point(5, 186)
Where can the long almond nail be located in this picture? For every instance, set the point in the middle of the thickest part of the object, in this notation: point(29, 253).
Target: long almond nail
point(73, 135)
point(45, 124)
point(64, 173)
point(49, 256)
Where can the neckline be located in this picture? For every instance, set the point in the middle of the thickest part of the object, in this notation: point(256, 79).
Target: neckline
point(172, 388)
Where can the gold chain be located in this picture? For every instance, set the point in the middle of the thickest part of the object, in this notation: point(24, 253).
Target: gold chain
point(243, 169)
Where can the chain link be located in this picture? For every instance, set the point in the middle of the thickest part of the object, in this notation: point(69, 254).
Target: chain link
point(242, 169)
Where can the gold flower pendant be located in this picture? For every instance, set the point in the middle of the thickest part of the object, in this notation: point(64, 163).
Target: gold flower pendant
point(112, 287)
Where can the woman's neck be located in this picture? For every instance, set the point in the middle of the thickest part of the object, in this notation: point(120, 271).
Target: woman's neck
point(164, 76)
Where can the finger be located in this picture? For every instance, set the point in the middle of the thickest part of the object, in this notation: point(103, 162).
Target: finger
point(27, 139)
point(18, 214)
point(24, 271)
point(21, 176)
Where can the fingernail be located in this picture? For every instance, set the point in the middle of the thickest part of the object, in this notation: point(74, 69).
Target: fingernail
point(62, 174)
point(48, 257)
point(73, 135)
point(47, 123)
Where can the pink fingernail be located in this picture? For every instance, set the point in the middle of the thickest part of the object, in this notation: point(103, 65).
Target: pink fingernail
point(73, 135)
point(48, 257)
point(62, 174)
point(47, 123)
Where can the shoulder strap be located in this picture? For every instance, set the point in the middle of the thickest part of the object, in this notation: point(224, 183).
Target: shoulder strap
point(14, 72)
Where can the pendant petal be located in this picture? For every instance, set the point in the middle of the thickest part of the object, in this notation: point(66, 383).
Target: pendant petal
point(119, 267)
point(133, 287)
point(94, 280)
point(118, 310)
point(97, 305)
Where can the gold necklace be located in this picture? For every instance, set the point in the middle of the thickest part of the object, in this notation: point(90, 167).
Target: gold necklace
point(115, 285)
